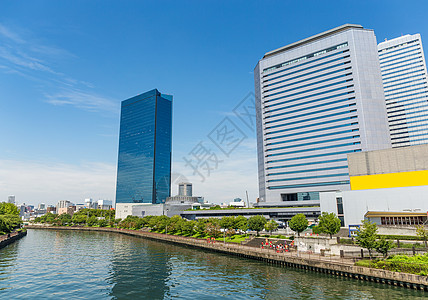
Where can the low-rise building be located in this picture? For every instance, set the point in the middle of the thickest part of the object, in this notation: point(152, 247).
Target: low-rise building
point(386, 183)
point(104, 204)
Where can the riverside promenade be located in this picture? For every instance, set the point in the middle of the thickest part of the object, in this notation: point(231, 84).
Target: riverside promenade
point(333, 265)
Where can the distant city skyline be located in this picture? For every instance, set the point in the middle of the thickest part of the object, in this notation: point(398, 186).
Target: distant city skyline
point(65, 67)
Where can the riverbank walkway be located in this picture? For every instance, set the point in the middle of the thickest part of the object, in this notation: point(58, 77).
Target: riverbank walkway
point(334, 265)
point(9, 238)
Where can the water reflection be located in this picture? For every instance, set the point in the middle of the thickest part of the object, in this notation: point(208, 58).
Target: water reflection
point(88, 265)
point(138, 269)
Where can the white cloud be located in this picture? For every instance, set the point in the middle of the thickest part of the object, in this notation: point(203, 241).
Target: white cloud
point(81, 99)
point(32, 60)
point(7, 33)
point(35, 182)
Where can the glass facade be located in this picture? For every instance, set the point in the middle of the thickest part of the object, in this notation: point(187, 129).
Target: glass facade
point(144, 161)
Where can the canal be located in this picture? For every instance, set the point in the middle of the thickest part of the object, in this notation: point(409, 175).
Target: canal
point(49, 264)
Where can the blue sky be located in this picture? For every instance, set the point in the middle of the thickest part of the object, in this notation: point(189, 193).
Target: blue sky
point(66, 65)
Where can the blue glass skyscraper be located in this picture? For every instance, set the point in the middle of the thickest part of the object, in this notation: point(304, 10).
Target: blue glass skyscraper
point(144, 161)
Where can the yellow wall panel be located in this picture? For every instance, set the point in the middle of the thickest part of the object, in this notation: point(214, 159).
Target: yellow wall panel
point(390, 180)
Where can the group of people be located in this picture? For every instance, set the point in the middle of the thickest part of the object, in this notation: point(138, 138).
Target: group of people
point(211, 240)
point(279, 248)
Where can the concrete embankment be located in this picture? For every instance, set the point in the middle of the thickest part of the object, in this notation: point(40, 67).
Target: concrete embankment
point(12, 237)
point(316, 263)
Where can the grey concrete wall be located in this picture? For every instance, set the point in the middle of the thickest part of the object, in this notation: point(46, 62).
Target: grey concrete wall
point(405, 159)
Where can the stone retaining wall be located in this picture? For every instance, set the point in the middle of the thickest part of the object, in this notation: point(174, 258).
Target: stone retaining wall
point(12, 238)
point(316, 263)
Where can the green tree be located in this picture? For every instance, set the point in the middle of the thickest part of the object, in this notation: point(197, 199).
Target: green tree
point(8, 209)
point(227, 222)
point(383, 246)
point(256, 223)
point(366, 236)
point(92, 221)
point(298, 223)
point(188, 227)
point(241, 223)
point(422, 232)
point(64, 219)
point(329, 223)
point(102, 222)
point(271, 226)
point(78, 219)
point(201, 225)
point(212, 227)
point(6, 225)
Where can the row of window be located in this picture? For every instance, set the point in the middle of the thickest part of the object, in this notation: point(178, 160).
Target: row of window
point(404, 96)
point(386, 67)
point(267, 83)
point(382, 52)
point(402, 76)
point(315, 149)
point(312, 125)
point(412, 140)
point(408, 112)
point(314, 89)
point(405, 85)
point(312, 63)
point(314, 130)
point(299, 59)
point(403, 103)
point(308, 97)
point(314, 136)
point(304, 80)
point(309, 177)
point(330, 109)
point(403, 80)
point(280, 187)
point(394, 56)
point(405, 123)
point(309, 170)
point(313, 156)
point(397, 127)
point(409, 136)
point(315, 143)
point(309, 163)
point(330, 97)
point(406, 91)
point(412, 65)
point(312, 119)
point(306, 85)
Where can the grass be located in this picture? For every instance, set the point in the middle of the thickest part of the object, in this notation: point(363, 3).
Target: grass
point(237, 238)
point(417, 264)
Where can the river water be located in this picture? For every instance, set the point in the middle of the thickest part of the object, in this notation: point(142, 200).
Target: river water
point(48, 264)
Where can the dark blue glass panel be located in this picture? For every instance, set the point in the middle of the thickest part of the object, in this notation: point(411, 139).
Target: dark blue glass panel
point(144, 161)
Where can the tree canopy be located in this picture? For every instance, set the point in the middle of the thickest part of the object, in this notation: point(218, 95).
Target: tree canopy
point(329, 223)
point(256, 223)
point(298, 223)
point(367, 235)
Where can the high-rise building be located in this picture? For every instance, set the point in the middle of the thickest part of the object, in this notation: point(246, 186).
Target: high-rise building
point(11, 199)
point(316, 101)
point(185, 189)
point(405, 83)
point(144, 162)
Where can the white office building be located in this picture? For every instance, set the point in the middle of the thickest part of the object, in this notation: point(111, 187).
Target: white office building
point(316, 101)
point(185, 189)
point(405, 83)
point(11, 199)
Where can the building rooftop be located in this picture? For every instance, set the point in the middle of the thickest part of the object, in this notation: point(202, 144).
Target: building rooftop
point(313, 38)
